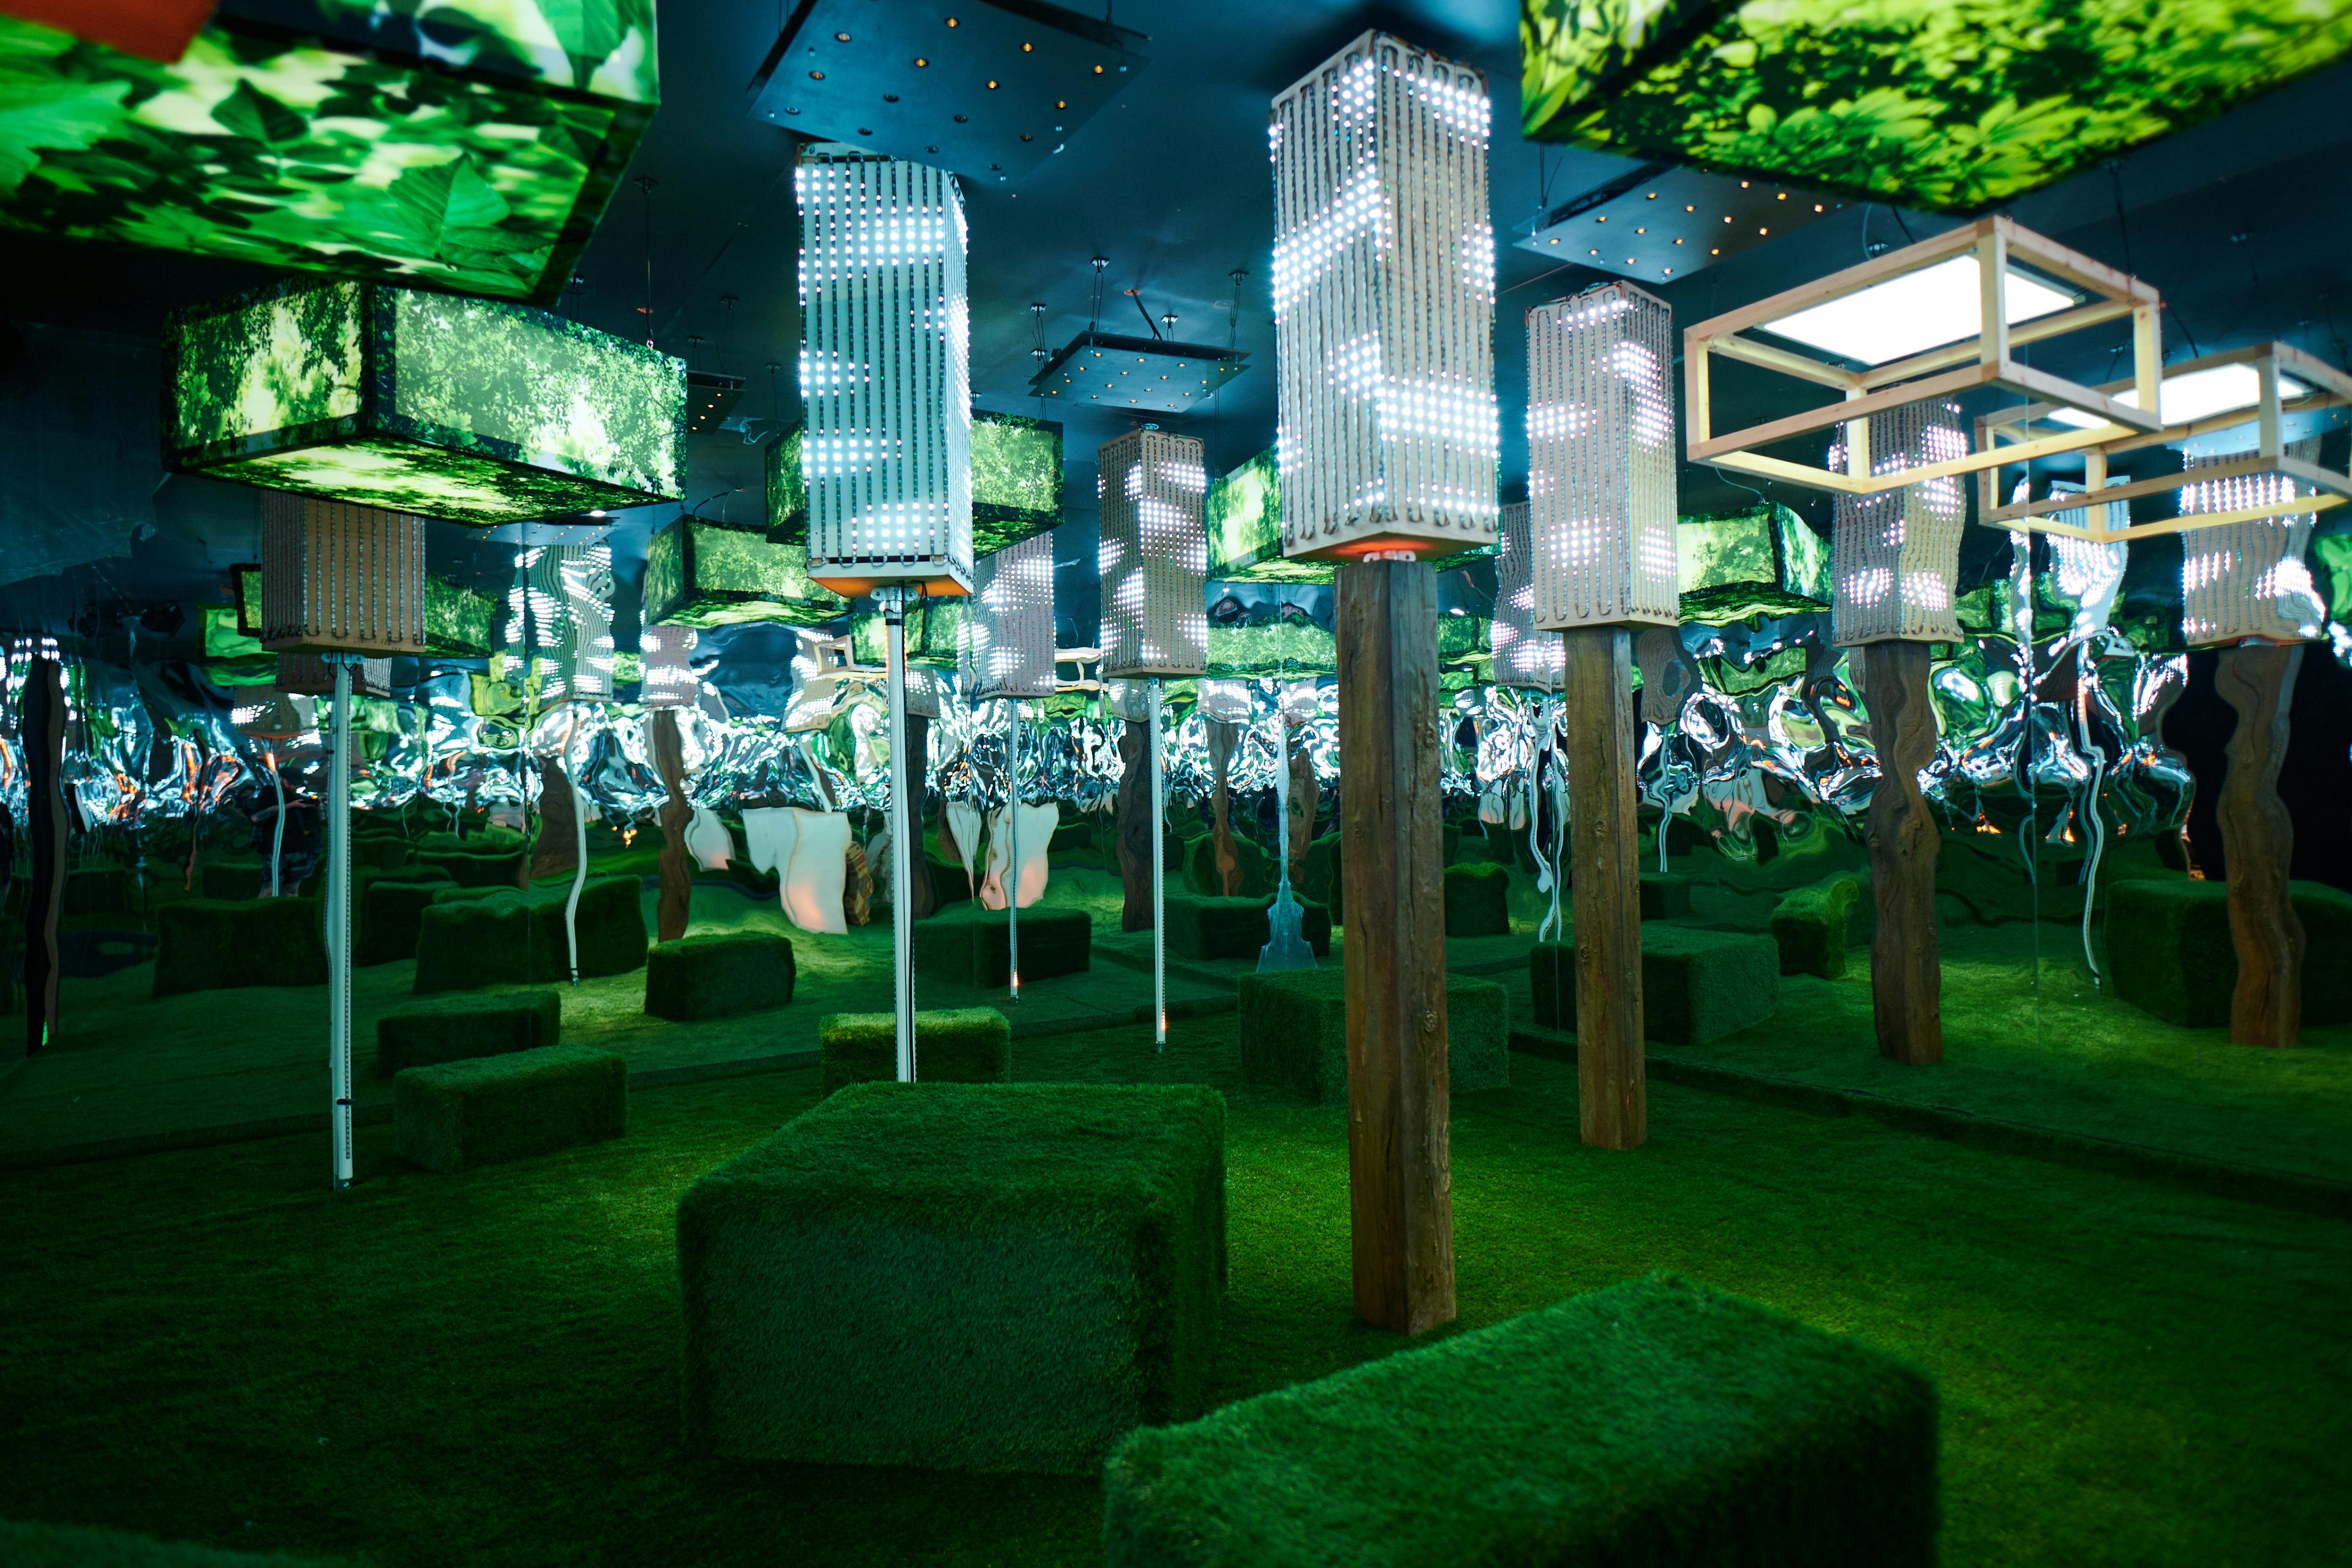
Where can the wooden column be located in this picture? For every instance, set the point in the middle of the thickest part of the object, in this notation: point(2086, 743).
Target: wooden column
point(1905, 968)
point(1612, 1107)
point(1135, 847)
point(41, 725)
point(1306, 794)
point(2258, 845)
point(557, 851)
point(676, 814)
point(1399, 1166)
point(1222, 737)
point(921, 898)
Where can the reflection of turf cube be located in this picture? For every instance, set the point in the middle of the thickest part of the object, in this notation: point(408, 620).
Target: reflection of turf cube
point(1006, 1276)
point(214, 944)
point(478, 868)
point(510, 1107)
point(1294, 1033)
point(471, 937)
point(1655, 1421)
point(2170, 949)
point(241, 881)
point(388, 910)
point(1236, 928)
point(713, 976)
point(1478, 900)
point(1665, 895)
point(972, 946)
point(78, 1546)
point(1810, 927)
point(1255, 867)
point(1697, 986)
point(953, 1045)
point(459, 1028)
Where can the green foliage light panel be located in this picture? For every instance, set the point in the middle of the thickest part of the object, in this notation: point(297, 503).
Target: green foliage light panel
point(1947, 105)
point(1243, 514)
point(934, 636)
point(1764, 561)
point(700, 574)
point(316, 134)
point(475, 411)
point(1016, 480)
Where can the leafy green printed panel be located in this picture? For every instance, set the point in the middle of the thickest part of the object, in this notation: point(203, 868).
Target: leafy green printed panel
point(699, 575)
point(1947, 105)
point(1291, 648)
point(1714, 551)
point(787, 489)
point(1244, 515)
point(1016, 467)
point(2335, 553)
point(457, 620)
point(285, 360)
point(604, 48)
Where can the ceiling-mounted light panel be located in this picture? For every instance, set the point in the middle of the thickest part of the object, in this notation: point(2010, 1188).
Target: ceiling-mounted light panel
point(1663, 221)
point(1158, 375)
point(983, 89)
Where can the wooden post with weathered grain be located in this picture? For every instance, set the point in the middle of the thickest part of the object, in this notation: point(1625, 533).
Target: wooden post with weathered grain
point(1399, 1166)
point(1907, 970)
point(677, 901)
point(1612, 1109)
point(1135, 847)
point(2258, 846)
point(42, 728)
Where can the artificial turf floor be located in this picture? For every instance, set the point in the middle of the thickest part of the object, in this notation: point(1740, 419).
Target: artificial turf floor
point(482, 1368)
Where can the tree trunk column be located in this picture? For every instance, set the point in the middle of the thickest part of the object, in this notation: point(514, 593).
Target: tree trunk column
point(1612, 1100)
point(921, 897)
point(1401, 1202)
point(1135, 847)
point(1905, 966)
point(676, 903)
point(2258, 844)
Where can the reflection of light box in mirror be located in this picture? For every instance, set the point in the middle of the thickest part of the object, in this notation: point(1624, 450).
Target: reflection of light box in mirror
point(1526, 659)
point(1243, 516)
point(1764, 560)
point(1016, 480)
point(1895, 557)
point(935, 636)
point(700, 574)
point(1662, 222)
point(1011, 622)
point(1153, 558)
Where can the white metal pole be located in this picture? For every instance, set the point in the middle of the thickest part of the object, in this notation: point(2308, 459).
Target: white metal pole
point(902, 832)
point(1158, 877)
point(1281, 799)
point(1012, 838)
point(278, 833)
point(339, 920)
point(579, 872)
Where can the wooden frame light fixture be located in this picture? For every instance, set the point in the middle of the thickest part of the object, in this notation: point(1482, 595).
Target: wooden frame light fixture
point(1933, 321)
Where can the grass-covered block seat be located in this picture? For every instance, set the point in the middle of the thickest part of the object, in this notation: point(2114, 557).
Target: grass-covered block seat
point(1653, 1422)
point(471, 937)
point(1697, 986)
point(1236, 928)
point(1665, 895)
point(219, 944)
point(1478, 900)
point(493, 867)
point(457, 1028)
point(953, 1045)
point(1809, 925)
point(968, 1277)
point(972, 946)
point(511, 1107)
point(1294, 1034)
point(2169, 950)
point(81, 1546)
point(388, 910)
point(241, 881)
point(713, 976)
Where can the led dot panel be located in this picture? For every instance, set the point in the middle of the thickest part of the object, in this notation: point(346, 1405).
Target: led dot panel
point(310, 675)
point(668, 679)
point(338, 578)
point(1012, 621)
point(581, 637)
point(2248, 581)
point(1602, 460)
point(1154, 561)
point(1525, 656)
point(1895, 557)
point(1384, 301)
point(885, 373)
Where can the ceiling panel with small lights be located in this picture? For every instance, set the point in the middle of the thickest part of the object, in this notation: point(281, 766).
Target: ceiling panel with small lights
point(1662, 222)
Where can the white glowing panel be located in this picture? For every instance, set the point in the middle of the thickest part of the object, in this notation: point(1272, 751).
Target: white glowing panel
point(1154, 561)
point(2248, 581)
point(1011, 621)
point(582, 666)
point(2196, 394)
point(1895, 557)
point(1915, 312)
point(669, 680)
point(1525, 659)
point(1384, 304)
point(885, 372)
point(1602, 460)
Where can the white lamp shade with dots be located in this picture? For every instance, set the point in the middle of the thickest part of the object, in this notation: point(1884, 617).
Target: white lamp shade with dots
point(885, 344)
point(1525, 659)
point(668, 680)
point(1894, 556)
point(1602, 460)
point(1154, 561)
point(340, 578)
point(1383, 303)
point(2248, 581)
point(1009, 620)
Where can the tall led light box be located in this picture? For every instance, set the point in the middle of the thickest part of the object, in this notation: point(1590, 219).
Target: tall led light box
point(1011, 622)
point(2248, 579)
point(1932, 321)
point(669, 680)
point(580, 648)
point(1525, 659)
point(885, 344)
point(1600, 459)
point(1154, 557)
point(337, 578)
point(1894, 554)
point(467, 410)
point(1384, 301)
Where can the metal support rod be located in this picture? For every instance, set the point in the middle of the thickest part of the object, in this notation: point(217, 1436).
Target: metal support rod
point(579, 872)
point(1013, 840)
point(278, 833)
point(339, 919)
point(1281, 802)
point(1159, 880)
point(902, 833)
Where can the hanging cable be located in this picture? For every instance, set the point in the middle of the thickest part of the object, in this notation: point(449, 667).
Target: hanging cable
point(646, 184)
point(1094, 315)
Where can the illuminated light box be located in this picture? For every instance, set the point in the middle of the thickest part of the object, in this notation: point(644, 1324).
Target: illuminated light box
point(474, 152)
point(468, 410)
point(1292, 648)
point(936, 640)
point(2238, 414)
point(1600, 459)
point(340, 579)
point(1016, 480)
point(787, 489)
point(580, 643)
point(1384, 304)
point(700, 574)
point(1152, 376)
point(1894, 553)
point(2248, 579)
point(1243, 516)
point(1866, 100)
point(1660, 221)
point(666, 678)
point(1764, 560)
point(1526, 658)
point(886, 347)
point(458, 621)
point(1910, 327)
point(1011, 618)
point(1154, 563)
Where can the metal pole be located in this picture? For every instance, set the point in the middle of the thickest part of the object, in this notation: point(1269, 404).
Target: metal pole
point(276, 834)
point(339, 920)
point(1158, 876)
point(902, 832)
point(1013, 837)
point(579, 872)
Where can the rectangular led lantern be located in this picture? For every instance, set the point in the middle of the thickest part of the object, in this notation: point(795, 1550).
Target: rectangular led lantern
point(1661, 221)
point(1011, 620)
point(1154, 556)
point(468, 410)
point(1526, 658)
point(2248, 579)
point(1894, 552)
point(700, 574)
point(886, 346)
point(337, 578)
point(1383, 303)
point(1152, 375)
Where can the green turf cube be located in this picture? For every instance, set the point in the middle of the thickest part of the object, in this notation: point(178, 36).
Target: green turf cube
point(478, 868)
point(471, 937)
point(1653, 1422)
point(714, 976)
point(1254, 866)
point(511, 1107)
point(1697, 986)
point(1003, 1276)
point(953, 1045)
point(1478, 900)
point(97, 890)
point(1294, 1034)
point(1665, 895)
point(388, 910)
point(458, 1029)
point(1236, 928)
point(2169, 950)
point(78, 1546)
point(217, 945)
point(1809, 925)
point(241, 881)
point(972, 946)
